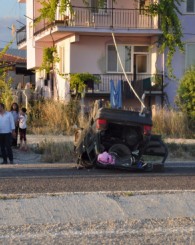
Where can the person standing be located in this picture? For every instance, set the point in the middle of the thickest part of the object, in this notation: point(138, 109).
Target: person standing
point(22, 128)
point(15, 113)
point(7, 130)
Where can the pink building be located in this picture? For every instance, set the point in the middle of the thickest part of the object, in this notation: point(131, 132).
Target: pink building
point(84, 43)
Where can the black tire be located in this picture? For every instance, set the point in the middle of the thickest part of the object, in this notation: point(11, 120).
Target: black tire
point(120, 149)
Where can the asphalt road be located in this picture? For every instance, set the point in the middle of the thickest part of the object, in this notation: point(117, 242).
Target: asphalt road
point(66, 178)
point(96, 217)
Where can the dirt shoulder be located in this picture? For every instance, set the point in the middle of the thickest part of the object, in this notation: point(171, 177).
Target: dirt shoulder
point(180, 141)
point(179, 149)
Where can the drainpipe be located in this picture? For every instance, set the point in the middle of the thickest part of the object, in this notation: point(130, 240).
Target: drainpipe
point(112, 15)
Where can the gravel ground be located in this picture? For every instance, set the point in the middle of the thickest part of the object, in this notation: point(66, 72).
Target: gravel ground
point(99, 218)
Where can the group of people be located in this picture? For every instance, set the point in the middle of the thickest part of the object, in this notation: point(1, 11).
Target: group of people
point(11, 123)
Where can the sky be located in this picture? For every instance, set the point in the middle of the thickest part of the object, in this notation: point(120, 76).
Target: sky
point(10, 12)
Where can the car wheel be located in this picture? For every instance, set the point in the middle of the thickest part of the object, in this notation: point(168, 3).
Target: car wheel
point(120, 149)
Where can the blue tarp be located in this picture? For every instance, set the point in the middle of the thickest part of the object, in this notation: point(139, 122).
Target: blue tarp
point(115, 95)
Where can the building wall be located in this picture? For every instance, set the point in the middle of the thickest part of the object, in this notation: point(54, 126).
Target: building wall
point(89, 54)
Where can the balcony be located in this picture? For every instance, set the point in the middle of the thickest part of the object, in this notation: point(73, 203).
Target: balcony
point(142, 83)
point(21, 36)
point(102, 18)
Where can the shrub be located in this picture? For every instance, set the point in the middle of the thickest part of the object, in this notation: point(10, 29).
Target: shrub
point(78, 81)
point(186, 94)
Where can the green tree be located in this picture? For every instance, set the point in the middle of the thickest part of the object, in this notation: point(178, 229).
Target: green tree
point(171, 38)
point(5, 82)
point(186, 94)
point(5, 90)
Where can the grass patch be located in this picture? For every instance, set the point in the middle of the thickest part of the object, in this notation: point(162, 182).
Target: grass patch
point(53, 117)
point(61, 152)
point(171, 123)
point(129, 194)
point(181, 151)
point(9, 197)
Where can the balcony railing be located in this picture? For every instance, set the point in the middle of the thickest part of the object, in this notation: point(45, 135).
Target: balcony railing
point(141, 83)
point(105, 18)
point(21, 35)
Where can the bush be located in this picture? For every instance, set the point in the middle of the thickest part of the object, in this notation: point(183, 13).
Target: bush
point(78, 81)
point(186, 94)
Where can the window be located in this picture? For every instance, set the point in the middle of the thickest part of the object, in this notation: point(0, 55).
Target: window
point(190, 54)
point(141, 58)
point(96, 7)
point(141, 63)
point(113, 64)
point(62, 59)
point(190, 6)
point(131, 56)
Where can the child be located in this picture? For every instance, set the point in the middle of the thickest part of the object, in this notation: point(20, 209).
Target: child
point(22, 128)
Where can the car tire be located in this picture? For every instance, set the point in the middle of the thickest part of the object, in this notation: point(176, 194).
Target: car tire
point(120, 149)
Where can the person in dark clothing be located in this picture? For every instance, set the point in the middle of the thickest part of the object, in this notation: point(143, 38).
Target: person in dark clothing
point(15, 113)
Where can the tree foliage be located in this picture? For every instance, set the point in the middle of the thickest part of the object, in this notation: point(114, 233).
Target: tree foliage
point(171, 38)
point(5, 90)
point(50, 57)
point(186, 93)
point(48, 10)
point(5, 82)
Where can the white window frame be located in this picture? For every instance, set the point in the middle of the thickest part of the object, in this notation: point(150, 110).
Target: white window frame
point(132, 58)
point(143, 53)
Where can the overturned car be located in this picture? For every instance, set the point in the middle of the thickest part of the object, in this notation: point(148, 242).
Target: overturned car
point(120, 139)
